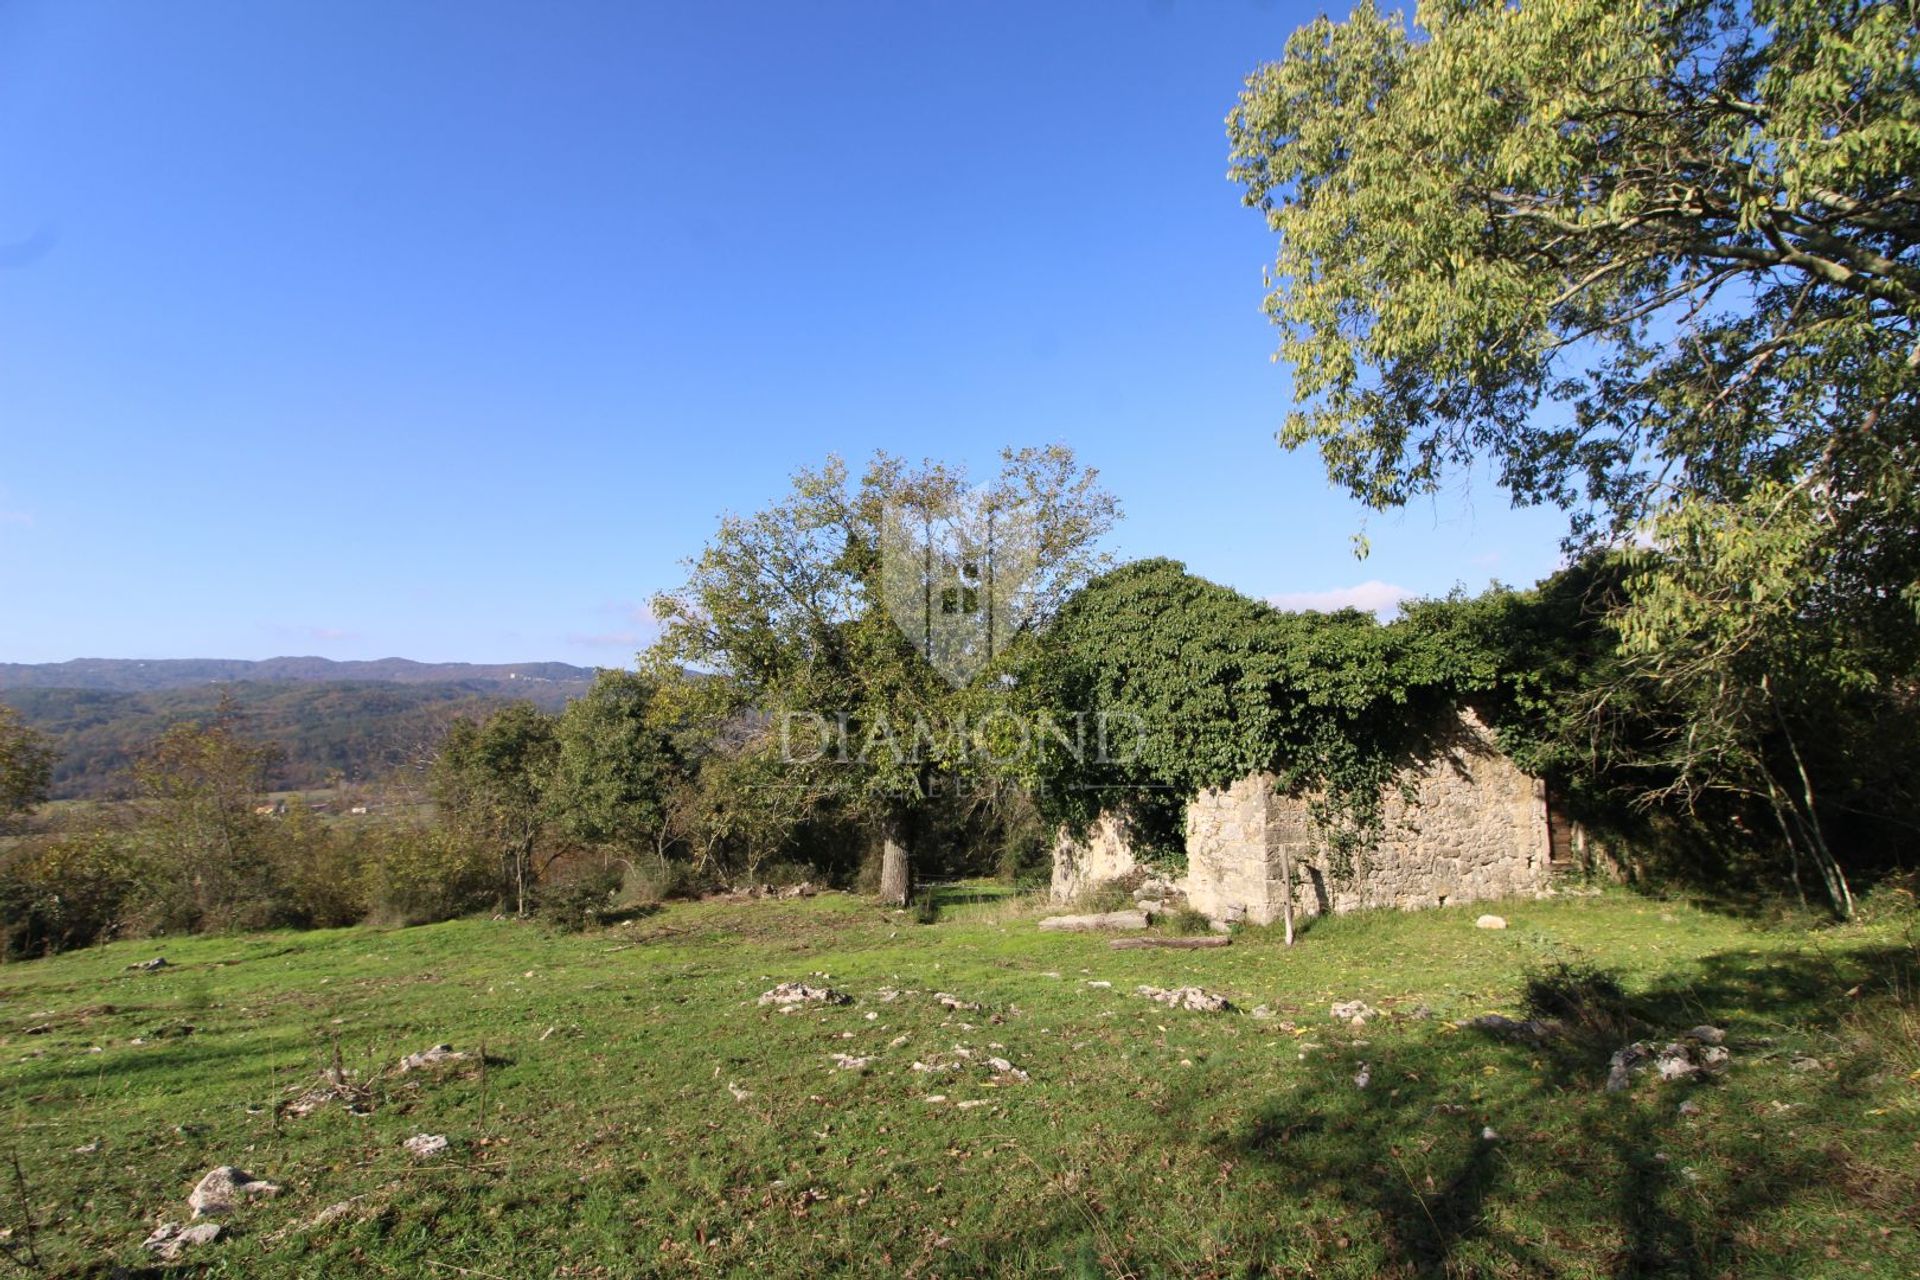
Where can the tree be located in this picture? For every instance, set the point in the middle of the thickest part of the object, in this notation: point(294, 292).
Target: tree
point(787, 611)
point(1627, 251)
point(614, 764)
point(1659, 263)
point(202, 784)
point(26, 765)
point(1729, 626)
point(494, 779)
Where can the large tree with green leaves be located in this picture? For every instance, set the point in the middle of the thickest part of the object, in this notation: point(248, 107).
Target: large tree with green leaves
point(614, 765)
point(786, 616)
point(1625, 250)
point(1657, 262)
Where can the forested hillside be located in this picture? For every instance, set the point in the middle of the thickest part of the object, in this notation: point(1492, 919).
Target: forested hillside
point(363, 729)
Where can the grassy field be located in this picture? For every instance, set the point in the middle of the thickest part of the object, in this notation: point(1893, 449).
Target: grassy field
point(638, 1113)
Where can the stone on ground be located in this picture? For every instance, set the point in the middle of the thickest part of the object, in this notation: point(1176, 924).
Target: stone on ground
point(422, 1145)
point(1098, 920)
point(1490, 922)
point(225, 1188)
point(170, 1238)
point(1355, 1012)
point(1186, 998)
point(792, 995)
point(432, 1057)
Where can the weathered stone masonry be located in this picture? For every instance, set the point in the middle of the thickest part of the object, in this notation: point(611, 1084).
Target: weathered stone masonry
point(1475, 828)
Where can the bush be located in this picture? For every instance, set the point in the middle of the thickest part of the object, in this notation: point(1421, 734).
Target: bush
point(416, 875)
point(318, 873)
point(1025, 861)
point(654, 881)
point(65, 892)
point(1895, 898)
point(579, 900)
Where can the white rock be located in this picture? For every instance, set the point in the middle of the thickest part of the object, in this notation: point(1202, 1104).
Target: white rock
point(170, 1238)
point(423, 1145)
point(432, 1057)
point(224, 1188)
point(1186, 998)
point(1490, 922)
point(789, 995)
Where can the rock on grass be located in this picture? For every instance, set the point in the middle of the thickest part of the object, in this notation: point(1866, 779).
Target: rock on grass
point(1186, 998)
point(792, 995)
point(225, 1188)
point(169, 1238)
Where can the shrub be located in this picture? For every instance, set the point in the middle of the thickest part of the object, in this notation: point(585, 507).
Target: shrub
point(657, 881)
point(1895, 898)
point(65, 892)
point(580, 899)
point(319, 873)
point(416, 875)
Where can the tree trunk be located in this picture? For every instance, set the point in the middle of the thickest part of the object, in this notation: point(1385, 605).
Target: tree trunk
point(896, 868)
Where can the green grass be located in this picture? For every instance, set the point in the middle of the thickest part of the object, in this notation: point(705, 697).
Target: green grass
point(602, 1137)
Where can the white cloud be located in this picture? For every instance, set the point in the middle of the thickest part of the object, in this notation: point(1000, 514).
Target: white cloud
point(1382, 599)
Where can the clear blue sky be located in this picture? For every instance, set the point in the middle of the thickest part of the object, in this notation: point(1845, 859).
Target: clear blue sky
point(448, 330)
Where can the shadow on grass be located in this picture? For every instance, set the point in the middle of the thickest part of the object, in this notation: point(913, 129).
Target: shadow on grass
point(1468, 1154)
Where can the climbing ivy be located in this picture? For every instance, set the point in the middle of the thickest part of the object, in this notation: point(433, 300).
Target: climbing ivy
point(1198, 685)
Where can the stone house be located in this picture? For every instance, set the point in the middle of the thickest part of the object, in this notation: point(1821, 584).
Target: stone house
point(1462, 823)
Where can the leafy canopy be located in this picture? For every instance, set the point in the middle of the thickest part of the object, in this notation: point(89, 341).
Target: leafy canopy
point(1625, 251)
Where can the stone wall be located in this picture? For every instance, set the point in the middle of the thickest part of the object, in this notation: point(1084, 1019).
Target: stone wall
point(1475, 828)
point(1233, 863)
point(1104, 852)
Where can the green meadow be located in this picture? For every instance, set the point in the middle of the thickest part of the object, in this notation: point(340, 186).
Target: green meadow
point(628, 1108)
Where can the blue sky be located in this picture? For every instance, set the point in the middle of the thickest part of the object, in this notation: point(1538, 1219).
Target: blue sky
point(448, 330)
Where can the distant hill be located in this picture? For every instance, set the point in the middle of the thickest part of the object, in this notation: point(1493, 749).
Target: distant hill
point(135, 675)
point(364, 719)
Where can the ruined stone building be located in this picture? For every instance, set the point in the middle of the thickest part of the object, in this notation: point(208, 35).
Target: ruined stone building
point(1462, 823)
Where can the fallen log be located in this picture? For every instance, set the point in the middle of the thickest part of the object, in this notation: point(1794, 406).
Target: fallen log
point(1178, 944)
